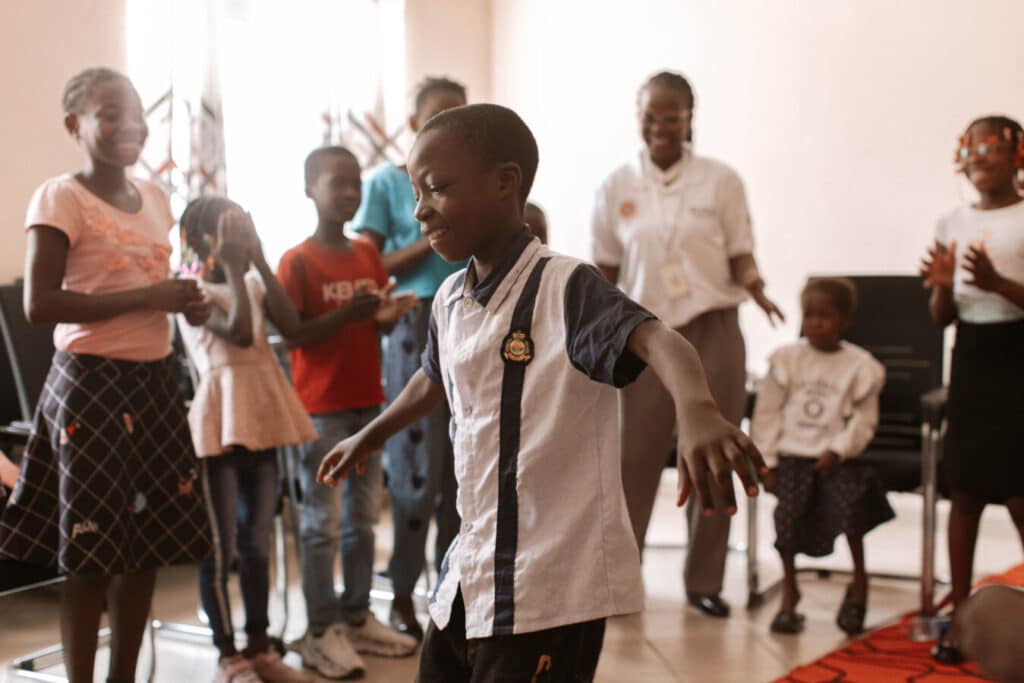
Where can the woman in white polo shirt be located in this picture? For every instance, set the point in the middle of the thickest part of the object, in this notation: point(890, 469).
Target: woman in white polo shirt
point(672, 229)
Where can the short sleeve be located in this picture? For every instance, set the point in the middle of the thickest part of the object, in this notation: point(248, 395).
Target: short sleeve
point(291, 276)
point(735, 215)
point(599, 318)
point(607, 247)
point(778, 368)
point(54, 204)
point(431, 358)
point(256, 288)
point(868, 380)
point(374, 213)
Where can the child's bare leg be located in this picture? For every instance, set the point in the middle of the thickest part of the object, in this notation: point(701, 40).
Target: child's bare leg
point(130, 597)
point(859, 592)
point(790, 589)
point(80, 610)
point(964, 518)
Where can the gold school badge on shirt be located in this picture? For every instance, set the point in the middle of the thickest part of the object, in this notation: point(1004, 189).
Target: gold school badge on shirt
point(517, 347)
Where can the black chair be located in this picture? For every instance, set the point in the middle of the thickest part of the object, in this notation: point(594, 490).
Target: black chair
point(894, 324)
point(29, 349)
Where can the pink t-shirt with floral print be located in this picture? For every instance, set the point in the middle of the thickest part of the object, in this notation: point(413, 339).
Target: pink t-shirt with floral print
point(110, 250)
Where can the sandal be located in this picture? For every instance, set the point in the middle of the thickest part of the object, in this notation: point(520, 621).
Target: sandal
point(850, 617)
point(945, 650)
point(788, 623)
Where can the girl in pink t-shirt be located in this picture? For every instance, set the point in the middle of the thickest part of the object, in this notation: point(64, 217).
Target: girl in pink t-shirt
point(107, 491)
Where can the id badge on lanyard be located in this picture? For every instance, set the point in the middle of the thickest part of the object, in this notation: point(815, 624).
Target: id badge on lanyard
point(674, 281)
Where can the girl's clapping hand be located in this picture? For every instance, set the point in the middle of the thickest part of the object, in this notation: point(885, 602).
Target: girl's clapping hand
point(983, 272)
point(939, 265)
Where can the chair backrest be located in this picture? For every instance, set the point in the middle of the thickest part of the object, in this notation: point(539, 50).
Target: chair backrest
point(10, 407)
point(893, 323)
point(29, 349)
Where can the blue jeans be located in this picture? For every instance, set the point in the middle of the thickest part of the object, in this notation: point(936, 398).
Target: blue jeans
point(420, 462)
point(241, 490)
point(329, 516)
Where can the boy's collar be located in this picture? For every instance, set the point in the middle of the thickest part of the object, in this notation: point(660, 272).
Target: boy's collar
point(496, 286)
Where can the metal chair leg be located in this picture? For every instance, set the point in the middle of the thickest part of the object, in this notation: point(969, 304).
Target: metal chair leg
point(926, 625)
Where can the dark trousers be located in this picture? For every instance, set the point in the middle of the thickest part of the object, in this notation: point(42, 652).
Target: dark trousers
point(241, 495)
point(566, 654)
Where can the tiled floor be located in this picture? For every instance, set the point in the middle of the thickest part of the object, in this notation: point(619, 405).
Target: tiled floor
point(665, 643)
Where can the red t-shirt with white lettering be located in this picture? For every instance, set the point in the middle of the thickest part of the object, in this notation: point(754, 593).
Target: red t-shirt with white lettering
point(342, 371)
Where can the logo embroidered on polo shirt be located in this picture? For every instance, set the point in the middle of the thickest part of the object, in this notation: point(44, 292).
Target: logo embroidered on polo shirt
point(517, 347)
point(627, 208)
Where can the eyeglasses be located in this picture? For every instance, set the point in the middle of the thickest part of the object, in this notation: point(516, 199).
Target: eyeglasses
point(982, 149)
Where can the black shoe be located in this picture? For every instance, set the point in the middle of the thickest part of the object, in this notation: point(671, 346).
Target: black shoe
point(709, 605)
point(788, 623)
point(947, 653)
point(403, 618)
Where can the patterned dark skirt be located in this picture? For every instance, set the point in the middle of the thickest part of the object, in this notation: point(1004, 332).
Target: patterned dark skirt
point(108, 480)
point(814, 510)
point(983, 455)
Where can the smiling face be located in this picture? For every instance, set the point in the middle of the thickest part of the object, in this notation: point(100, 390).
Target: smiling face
point(665, 119)
point(989, 162)
point(455, 193)
point(337, 188)
point(110, 124)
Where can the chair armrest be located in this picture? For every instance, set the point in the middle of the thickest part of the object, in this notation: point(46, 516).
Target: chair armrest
point(933, 407)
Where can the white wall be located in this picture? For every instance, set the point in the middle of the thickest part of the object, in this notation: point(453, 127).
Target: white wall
point(449, 38)
point(42, 44)
point(840, 116)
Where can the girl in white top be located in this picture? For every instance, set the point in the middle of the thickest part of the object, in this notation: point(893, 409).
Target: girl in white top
point(244, 408)
point(672, 229)
point(976, 273)
point(817, 409)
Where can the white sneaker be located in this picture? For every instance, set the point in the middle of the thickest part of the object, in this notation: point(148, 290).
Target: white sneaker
point(374, 638)
point(271, 669)
point(330, 655)
point(238, 669)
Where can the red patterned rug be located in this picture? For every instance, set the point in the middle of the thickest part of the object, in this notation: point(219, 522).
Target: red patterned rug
point(887, 655)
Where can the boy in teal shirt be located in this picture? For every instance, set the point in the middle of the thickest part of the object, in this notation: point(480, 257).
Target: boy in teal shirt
point(419, 459)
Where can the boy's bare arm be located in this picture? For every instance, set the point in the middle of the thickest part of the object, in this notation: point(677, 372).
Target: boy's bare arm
point(309, 331)
point(709, 447)
point(420, 398)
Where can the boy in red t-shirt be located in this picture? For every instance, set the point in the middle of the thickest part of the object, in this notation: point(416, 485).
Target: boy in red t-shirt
point(341, 290)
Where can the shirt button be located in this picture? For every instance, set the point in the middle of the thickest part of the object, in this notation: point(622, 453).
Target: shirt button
point(467, 411)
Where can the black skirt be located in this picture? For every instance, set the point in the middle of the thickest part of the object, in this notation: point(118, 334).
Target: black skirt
point(813, 510)
point(983, 453)
point(108, 480)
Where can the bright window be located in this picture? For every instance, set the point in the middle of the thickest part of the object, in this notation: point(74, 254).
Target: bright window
point(289, 76)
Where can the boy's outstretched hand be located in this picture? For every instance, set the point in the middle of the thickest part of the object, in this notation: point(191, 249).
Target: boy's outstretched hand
point(710, 449)
point(338, 464)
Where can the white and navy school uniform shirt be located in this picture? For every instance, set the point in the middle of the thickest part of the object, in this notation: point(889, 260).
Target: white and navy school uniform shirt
point(1001, 231)
point(529, 359)
point(689, 220)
